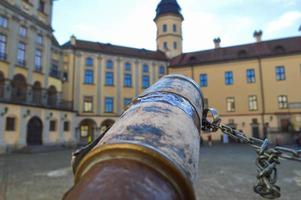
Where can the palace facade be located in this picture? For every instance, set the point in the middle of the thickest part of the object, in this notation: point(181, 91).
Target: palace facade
point(69, 94)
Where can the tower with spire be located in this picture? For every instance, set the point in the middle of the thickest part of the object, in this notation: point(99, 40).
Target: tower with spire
point(169, 28)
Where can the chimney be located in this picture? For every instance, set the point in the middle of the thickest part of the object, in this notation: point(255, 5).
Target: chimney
point(257, 35)
point(73, 40)
point(300, 28)
point(217, 42)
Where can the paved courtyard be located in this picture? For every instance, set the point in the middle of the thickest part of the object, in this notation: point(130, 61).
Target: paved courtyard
point(226, 172)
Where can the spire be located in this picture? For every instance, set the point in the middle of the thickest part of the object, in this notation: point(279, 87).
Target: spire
point(168, 6)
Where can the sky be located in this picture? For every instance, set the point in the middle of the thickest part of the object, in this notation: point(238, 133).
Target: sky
point(130, 22)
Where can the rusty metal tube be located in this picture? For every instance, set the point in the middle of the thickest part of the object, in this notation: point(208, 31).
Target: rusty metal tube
point(151, 152)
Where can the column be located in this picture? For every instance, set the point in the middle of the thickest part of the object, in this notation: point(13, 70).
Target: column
point(30, 54)
point(29, 97)
point(61, 128)
point(77, 82)
point(153, 73)
point(22, 127)
point(7, 90)
point(119, 86)
point(99, 86)
point(46, 128)
point(137, 82)
point(12, 45)
point(46, 59)
point(2, 125)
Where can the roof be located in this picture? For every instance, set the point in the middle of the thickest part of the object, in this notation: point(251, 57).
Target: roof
point(116, 50)
point(167, 7)
point(278, 47)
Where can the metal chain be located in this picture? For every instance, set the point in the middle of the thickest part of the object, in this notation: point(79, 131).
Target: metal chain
point(268, 156)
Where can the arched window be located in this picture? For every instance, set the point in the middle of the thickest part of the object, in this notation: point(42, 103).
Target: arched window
point(19, 88)
point(145, 68)
point(37, 92)
point(2, 82)
point(89, 61)
point(109, 64)
point(52, 95)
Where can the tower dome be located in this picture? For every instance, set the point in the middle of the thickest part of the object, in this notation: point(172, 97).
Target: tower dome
point(168, 7)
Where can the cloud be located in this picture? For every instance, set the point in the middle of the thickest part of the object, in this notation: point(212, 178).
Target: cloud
point(285, 21)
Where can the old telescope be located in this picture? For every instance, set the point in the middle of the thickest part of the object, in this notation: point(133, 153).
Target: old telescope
point(151, 152)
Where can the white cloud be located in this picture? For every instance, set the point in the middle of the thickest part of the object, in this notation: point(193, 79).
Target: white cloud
point(285, 21)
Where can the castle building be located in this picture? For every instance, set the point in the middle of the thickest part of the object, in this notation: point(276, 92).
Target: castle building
point(69, 94)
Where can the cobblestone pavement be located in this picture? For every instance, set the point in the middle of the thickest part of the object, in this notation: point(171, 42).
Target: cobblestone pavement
point(226, 172)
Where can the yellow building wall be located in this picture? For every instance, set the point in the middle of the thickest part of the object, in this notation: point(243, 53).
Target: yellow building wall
point(273, 88)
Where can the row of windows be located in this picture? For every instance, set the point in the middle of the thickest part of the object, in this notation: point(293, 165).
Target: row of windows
point(127, 66)
point(22, 30)
point(250, 76)
point(109, 104)
point(10, 125)
point(165, 28)
point(109, 79)
point(165, 45)
point(41, 5)
point(253, 103)
point(21, 53)
point(230, 103)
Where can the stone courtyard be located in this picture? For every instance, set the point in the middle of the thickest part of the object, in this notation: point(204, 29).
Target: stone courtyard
point(226, 172)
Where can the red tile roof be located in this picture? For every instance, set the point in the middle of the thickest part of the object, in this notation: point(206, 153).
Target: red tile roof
point(116, 50)
point(279, 47)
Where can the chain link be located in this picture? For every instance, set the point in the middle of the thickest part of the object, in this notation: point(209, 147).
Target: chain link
point(268, 156)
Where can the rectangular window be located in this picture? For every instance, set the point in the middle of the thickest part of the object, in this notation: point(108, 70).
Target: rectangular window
point(88, 104)
point(253, 103)
point(203, 80)
point(54, 70)
point(41, 7)
point(127, 67)
point(39, 39)
point(174, 27)
point(230, 104)
point(175, 46)
point(22, 31)
point(165, 46)
point(109, 104)
point(10, 124)
point(250, 76)
point(282, 102)
point(84, 131)
point(109, 79)
point(2, 47)
point(89, 77)
point(126, 101)
point(229, 78)
point(52, 125)
point(161, 70)
point(145, 68)
point(66, 126)
point(145, 81)
point(3, 22)
point(280, 73)
point(164, 27)
point(21, 54)
point(38, 60)
point(127, 80)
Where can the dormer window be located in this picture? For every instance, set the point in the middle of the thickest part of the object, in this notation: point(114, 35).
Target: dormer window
point(279, 49)
point(41, 7)
point(242, 54)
